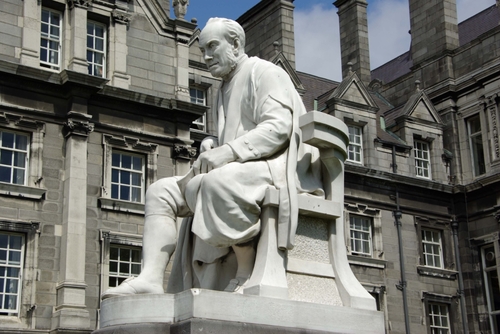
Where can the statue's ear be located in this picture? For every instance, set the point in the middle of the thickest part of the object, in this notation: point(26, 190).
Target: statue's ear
point(236, 46)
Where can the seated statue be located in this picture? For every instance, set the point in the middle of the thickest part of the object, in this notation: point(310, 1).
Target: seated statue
point(258, 146)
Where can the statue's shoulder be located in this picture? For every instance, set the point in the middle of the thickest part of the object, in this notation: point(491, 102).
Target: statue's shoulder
point(261, 67)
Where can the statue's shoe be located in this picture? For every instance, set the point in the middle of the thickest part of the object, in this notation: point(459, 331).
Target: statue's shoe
point(132, 286)
point(236, 285)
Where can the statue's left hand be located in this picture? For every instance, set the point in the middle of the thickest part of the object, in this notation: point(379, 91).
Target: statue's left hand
point(213, 159)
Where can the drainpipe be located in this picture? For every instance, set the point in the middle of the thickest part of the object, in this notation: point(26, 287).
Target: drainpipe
point(397, 221)
point(460, 292)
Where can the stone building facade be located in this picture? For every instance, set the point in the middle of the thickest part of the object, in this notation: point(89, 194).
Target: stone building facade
point(100, 98)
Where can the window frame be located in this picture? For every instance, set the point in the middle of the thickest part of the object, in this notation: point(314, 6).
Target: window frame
point(47, 64)
point(431, 315)
point(109, 238)
point(448, 269)
point(425, 242)
point(35, 130)
point(369, 222)
point(119, 184)
point(485, 270)
point(3, 279)
point(376, 259)
point(450, 302)
point(355, 145)
point(93, 51)
point(199, 124)
point(132, 146)
point(27, 294)
point(12, 165)
point(419, 159)
point(476, 163)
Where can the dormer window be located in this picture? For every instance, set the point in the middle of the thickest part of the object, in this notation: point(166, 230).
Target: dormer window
point(421, 153)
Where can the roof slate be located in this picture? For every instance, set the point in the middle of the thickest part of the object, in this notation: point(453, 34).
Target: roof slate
point(468, 30)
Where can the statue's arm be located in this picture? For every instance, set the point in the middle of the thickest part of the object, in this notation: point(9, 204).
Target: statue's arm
point(270, 136)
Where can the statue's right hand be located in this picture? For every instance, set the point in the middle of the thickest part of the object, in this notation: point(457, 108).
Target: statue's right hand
point(208, 144)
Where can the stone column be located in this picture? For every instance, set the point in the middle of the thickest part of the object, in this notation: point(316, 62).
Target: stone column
point(183, 34)
point(434, 28)
point(76, 40)
point(118, 49)
point(354, 44)
point(70, 310)
point(30, 48)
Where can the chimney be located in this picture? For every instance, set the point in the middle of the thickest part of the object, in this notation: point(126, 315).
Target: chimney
point(434, 28)
point(354, 38)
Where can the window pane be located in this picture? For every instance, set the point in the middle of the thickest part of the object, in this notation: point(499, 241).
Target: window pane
point(7, 139)
point(6, 157)
point(124, 193)
point(126, 161)
point(114, 191)
point(115, 160)
point(3, 240)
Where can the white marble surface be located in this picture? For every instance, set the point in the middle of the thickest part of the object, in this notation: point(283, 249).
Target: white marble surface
point(215, 305)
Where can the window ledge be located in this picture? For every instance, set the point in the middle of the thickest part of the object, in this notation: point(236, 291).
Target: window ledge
point(16, 190)
point(366, 261)
point(437, 272)
point(122, 206)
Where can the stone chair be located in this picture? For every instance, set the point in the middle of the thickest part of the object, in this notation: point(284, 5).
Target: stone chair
point(273, 267)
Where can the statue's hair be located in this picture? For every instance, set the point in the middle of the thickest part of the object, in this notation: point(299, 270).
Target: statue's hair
point(233, 30)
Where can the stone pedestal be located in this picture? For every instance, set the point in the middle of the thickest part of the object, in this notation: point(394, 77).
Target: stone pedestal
point(206, 311)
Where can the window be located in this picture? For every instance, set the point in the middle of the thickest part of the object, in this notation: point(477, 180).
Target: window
point(121, 257)
point(14, 148)
point(355, 149)
point(96, 46)
point(127, 177)
point(11, 264)
point(432, 248)
point(439, 319)
point(476, 145)
point(422, 161)
point(361, 235)
point(492, 284)
point(198, 96)
point(124, 262)
point(50, 39)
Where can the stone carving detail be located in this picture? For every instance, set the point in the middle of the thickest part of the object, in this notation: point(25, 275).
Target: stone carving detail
point(120, 16)
point(85, 4)
point(180, 8)
point(79, 127)
point(184, 152)
point(492, 109)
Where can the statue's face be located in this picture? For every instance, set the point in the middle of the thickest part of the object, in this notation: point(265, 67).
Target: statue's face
point(218, 53)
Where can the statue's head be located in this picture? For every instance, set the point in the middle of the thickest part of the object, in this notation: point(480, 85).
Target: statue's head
point(222, 43)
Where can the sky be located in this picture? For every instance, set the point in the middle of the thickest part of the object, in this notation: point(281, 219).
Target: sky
point(317, 41)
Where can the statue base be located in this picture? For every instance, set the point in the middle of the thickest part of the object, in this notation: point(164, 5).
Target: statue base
point(207, 311)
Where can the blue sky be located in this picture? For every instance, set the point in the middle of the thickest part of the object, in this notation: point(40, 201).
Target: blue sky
point(317, 32)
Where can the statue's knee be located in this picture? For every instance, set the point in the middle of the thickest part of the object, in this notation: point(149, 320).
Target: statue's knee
point(157, 190)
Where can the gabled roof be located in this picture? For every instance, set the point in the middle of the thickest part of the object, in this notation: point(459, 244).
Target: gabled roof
point(468, 30)
point(353, 90)
point(418, 107)
point(315, 87)
point(280, 60)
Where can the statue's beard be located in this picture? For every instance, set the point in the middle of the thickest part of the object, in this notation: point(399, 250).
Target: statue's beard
point(231, 60)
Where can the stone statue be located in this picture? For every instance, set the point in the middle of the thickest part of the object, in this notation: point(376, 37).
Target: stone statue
point(258, 146)
point(180, 8)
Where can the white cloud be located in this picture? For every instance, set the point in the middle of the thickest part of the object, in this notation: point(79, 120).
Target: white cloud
point(317, 38)
point(317, 42)
point(388, 26)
